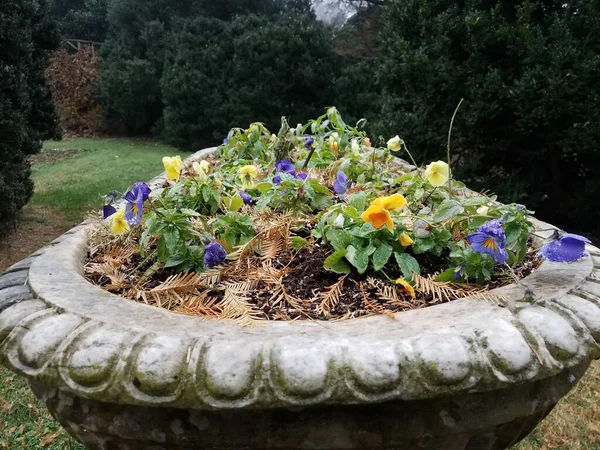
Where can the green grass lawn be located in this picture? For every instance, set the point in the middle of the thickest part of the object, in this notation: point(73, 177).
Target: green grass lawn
point(76, 184)
point(70, 178)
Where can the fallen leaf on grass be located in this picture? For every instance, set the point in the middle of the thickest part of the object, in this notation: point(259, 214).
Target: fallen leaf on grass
point(49, 439)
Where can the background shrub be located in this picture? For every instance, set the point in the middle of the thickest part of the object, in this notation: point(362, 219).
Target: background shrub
point(73, 79)
point(134, 53)
point(27, 112)
point(528, 71)
point(222, 74)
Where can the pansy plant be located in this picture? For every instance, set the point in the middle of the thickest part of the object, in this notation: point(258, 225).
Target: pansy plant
point(351, 197)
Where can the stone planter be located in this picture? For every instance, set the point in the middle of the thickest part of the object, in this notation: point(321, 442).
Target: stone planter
point(468, 374)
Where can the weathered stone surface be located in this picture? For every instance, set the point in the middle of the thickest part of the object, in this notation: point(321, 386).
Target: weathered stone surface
point(120, 374)
point(15, 294)
point(12, 279)
point(467, 421)
point(21, 265)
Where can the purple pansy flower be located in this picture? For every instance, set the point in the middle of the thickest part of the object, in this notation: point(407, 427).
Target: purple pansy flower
point(308, 143)
point(135, 203)
point(226, 140)
point(341, 183)
point(108, 210)
point(458, 272)
point(214, 254)
point(490, 239)
point(142, 187)
point(285, 166)
point(277, 179)
point(246, 197)
point(567, 248)
point(302, 175)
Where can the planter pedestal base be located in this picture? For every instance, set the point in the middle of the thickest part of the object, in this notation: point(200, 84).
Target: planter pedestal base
point(491, 420)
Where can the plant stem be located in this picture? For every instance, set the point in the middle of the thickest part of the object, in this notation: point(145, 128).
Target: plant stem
point(512, 272)
point(310, 153)
point(430, 194)
point(448, 146)
point(373, 164)
point(411, 156)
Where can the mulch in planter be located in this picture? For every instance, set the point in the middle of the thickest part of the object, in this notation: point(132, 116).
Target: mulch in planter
point(292, 286)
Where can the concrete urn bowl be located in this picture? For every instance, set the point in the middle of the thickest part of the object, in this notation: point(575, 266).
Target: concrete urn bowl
point(468, 374)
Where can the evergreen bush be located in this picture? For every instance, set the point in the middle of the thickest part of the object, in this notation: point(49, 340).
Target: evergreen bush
point(27, 111)
point(219, 74)
point(528, 71)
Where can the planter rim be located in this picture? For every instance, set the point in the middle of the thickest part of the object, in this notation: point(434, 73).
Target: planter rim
point(75, 336)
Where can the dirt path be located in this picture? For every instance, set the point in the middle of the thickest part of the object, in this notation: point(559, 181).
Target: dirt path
point(37, 227)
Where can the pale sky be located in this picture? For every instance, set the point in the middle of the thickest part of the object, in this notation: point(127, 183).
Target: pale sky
point(332, 11)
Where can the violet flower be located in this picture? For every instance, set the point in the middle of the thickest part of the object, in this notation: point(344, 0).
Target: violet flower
point(341, 183)
point(226, 140)
point(285, 166)
point(246, 197)
point(567, 248)
point(490, 239)
point(142, 187)
point(214, 254)
point(135, 203)
point(108, 210)
point(458, 272)
point(302, 176)
point(308, 143)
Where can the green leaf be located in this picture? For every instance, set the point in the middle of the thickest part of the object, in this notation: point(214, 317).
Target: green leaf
point(339, 239)
point(174, 260)
point(335, 263)
point(190, 212)
point(318, 187)
point(321, 201)
point(408, 264)
point(172, 240)
point(350, 211)
point(446, 275)
point(447, 209)
point(358, 201)
point(365, 230)
point(206, 193)
point(264, 187)
point(358, 257)
point(381, 256)
point(235, 203)
point(423, 245)
point(298, 242)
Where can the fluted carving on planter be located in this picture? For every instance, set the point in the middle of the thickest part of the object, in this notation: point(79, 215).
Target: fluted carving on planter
point(484, 347)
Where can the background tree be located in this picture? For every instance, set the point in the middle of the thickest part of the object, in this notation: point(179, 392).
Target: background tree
point(134, 52)
point(222, 74)
point(357, 44)
point(27, 112)
point(528, 71)
point(81, 19)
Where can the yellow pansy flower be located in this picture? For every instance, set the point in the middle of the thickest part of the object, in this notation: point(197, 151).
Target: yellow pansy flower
point(394, 144)
point(378, 213)
point(201, 169)
point(119, 224)
point(391, 203)
point(437, 173)
point(248, 174)
point(173, 167)
point(407, 287)
point(406, 240)
point(367, 142)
